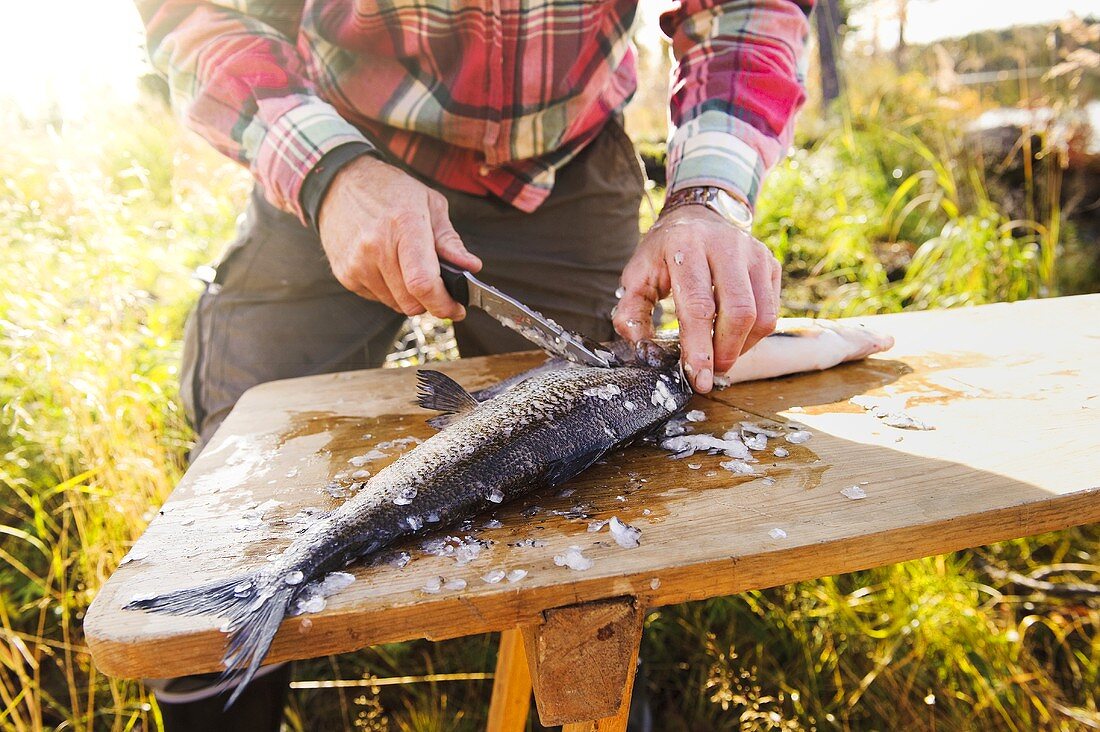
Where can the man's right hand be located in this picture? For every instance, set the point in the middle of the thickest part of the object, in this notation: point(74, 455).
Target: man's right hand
point(384, 233)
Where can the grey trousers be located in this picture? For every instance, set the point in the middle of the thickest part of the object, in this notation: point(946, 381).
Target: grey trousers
point(275, 311)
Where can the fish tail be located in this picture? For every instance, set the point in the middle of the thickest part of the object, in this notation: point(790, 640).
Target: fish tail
point(254, 606)
point(214, 598)
point(251, 631)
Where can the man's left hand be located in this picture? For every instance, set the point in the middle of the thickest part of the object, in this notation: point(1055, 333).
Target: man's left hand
point(724, 282)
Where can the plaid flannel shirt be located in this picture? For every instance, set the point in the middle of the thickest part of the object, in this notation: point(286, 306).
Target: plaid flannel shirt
point(488, 97)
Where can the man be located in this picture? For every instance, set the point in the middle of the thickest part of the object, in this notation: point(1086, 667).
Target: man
point(384, 136)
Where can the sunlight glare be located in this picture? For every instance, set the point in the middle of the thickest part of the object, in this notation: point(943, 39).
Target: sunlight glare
point(64, 56)
point(933, 20)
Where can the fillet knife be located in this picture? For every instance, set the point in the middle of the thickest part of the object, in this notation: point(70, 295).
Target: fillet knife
point(532, 325)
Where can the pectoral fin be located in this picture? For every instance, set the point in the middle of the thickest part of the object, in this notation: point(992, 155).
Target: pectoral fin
point(562, 470)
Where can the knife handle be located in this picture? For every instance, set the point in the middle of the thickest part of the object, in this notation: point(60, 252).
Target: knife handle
point(454, 279)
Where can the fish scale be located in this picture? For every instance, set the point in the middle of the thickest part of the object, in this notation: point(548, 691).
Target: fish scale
point(538, 433)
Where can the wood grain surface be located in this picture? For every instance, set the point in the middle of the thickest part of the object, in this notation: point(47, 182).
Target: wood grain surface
point(1013, 392)
point(582, 659)
point(511, 686)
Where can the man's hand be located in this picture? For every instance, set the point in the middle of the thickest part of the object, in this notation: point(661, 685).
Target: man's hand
point(384, 233)
point(724, 282)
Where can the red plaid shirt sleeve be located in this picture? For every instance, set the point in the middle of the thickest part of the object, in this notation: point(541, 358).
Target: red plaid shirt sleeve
point(489, 97)
point(737, 85)
point(239, 81)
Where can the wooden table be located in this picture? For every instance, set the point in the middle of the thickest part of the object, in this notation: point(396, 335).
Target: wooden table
point(1012, 391)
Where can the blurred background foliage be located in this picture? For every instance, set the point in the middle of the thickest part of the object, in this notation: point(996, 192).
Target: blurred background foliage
point(897, 196)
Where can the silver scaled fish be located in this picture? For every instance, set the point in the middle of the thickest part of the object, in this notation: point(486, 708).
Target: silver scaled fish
point(542, 430)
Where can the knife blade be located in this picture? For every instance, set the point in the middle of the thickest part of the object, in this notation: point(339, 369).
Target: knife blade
point(469, 291)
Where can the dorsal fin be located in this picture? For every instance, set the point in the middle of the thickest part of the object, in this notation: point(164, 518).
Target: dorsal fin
point(435, 390)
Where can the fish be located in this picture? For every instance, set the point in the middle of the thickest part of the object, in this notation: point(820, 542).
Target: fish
point(531, 432)
point(537, 434)
point(804, 344)
point(797, 345)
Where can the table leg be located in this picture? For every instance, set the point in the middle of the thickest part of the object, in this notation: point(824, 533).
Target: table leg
point(607, 724)
point(511, 686)
point(582, 660)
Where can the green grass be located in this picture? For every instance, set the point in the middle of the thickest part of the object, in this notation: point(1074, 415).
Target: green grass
point(100, 227)
point(889, 209)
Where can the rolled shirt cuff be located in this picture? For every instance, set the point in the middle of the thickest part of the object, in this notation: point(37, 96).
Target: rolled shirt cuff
point(709, 151)
point(304, 130)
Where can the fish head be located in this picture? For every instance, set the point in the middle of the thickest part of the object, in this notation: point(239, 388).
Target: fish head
point(660, 356)
point(654, 354)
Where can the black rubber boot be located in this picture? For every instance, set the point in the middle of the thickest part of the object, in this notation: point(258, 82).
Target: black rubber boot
point(259, 708)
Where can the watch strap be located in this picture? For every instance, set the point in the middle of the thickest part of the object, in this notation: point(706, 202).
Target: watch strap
point(320, 178)
point(707, 196)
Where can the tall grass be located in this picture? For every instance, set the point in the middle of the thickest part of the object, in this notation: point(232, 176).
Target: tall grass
point(888, 209)
point(100, 227)
point(919, 645)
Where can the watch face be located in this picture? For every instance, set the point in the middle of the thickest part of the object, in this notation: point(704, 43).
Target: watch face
point(733, 210)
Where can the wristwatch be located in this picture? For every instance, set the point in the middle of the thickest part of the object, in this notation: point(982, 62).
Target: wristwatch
point(718, 200)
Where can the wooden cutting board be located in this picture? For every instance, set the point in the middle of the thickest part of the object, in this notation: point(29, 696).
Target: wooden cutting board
point(1012, 391)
